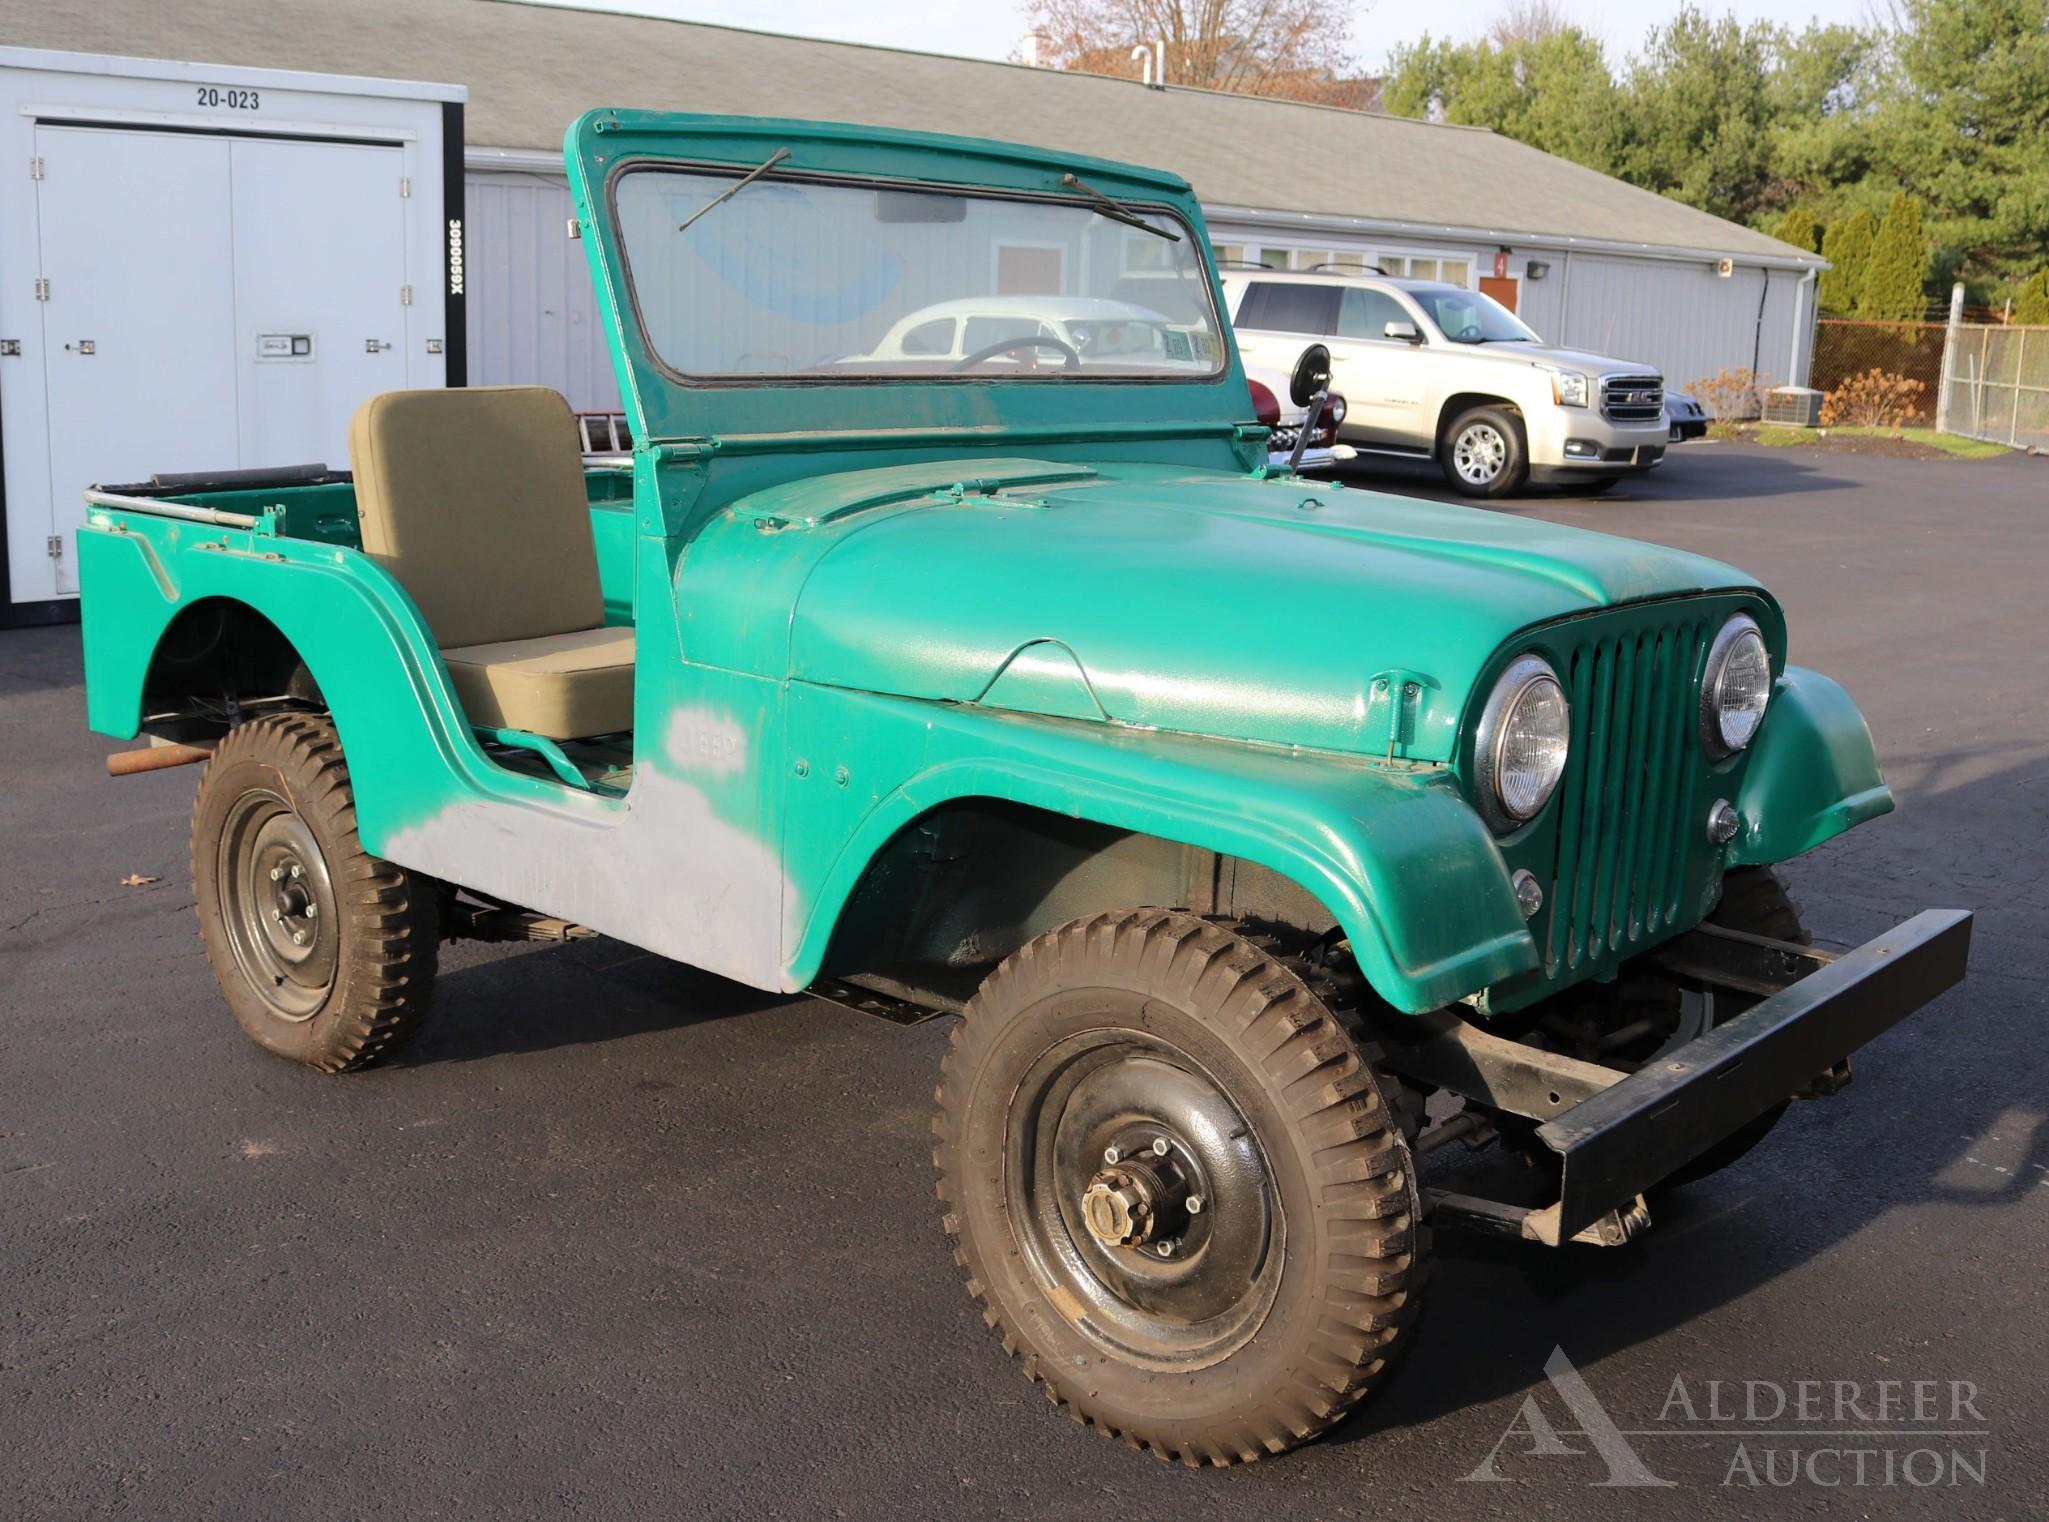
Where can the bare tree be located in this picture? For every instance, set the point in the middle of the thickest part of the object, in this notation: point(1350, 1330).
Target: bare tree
point(1529, 21)
point(1298, 49)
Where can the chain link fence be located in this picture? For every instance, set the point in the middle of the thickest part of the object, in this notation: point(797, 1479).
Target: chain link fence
point(1995, 384)
point(1845, 347)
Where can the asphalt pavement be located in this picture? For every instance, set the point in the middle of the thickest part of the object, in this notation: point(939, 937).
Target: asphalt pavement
point(619, 1239)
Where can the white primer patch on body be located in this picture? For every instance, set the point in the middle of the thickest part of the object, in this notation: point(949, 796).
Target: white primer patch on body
point(659, 869)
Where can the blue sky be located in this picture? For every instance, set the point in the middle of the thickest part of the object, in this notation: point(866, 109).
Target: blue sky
point(991, 28)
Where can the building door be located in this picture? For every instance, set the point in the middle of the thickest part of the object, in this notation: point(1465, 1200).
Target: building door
point(1501, 287)
point(139, 320)
point(320, 317)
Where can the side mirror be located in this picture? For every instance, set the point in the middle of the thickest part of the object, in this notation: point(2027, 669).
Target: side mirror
point(1405, 331)
point(1312, 376)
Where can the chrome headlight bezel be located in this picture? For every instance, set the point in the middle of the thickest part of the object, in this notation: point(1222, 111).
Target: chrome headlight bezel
point(1516, 683)
point(1714, 737)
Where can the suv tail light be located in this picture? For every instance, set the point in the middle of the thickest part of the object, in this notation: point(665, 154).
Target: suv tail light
point(1265, 406)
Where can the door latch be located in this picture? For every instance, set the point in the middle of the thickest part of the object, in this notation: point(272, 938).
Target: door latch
point(374, 346)
point(83, 346)
point(10, 348)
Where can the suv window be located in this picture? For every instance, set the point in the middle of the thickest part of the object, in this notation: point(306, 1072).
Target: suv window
point(1288, 308)
point(1365, 313)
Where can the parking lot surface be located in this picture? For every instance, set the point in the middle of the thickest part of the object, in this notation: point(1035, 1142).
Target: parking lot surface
point(616, 1238)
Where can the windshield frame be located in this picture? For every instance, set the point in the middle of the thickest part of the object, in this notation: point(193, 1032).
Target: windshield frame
point(722, 169)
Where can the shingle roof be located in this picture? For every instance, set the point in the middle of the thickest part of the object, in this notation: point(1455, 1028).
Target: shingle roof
point(531, 68)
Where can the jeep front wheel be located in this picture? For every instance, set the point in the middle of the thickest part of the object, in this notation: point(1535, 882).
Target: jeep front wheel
point(325, 953)
point(1482, 452)
point(1177, 1187)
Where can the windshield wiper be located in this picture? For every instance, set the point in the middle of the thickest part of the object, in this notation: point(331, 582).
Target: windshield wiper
point(1115, 210)
point(736, 187)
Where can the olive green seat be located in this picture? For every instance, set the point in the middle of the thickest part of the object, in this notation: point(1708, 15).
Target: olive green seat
point(474, 500)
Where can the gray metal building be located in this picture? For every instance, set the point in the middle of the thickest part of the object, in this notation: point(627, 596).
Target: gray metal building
point(1586, 259)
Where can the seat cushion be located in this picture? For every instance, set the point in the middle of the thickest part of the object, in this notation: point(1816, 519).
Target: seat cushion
point(474, 500)
point(564, 686)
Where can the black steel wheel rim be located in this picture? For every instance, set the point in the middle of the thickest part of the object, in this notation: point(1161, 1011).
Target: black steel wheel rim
point(278, 905)
point(1118, 1106)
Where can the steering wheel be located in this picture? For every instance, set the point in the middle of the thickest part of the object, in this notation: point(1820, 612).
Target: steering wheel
point(1069, 356)
point(1459, 337)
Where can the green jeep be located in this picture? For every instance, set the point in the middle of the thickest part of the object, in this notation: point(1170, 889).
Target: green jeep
point(938, 651)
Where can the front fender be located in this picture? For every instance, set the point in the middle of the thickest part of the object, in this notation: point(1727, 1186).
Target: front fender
point(1396, 856)
point(1812, 774)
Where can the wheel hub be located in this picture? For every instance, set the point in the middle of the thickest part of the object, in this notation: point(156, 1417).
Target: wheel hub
point(279, 908)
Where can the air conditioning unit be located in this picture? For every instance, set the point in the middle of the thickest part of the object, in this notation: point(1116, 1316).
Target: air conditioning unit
point(1799, 406)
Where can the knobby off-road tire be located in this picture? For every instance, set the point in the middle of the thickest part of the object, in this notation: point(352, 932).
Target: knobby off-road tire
point(325, 953)
point(1755, 901)
point(1153, 1044)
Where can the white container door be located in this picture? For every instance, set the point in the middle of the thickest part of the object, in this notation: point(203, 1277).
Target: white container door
point(320, 324)
point(138, 351)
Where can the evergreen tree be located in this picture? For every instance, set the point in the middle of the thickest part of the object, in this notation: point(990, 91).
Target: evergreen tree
point(2031, 301)
point(1891, 289)
point(1848, 250)
point(1799, 228)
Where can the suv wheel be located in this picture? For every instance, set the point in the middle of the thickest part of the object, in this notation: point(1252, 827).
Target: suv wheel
point(325, 953)
point(1177, 1186)
point(1482, 452)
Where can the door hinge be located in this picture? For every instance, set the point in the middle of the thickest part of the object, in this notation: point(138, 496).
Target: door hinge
point(56, 544)
point(405, 295)
point(35, 169)
point(405, 186)
point(42, 288)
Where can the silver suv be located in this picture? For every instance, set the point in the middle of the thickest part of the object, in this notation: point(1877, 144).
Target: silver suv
point(1435, 371)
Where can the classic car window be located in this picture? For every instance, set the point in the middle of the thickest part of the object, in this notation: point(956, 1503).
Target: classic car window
point(1365, 313)
point(1277, 306)
point(820, 279)
point(984, 331)
point(930, 337)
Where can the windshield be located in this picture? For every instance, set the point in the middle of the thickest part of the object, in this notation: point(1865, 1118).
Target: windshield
point(1467, 317)
point(822, 280)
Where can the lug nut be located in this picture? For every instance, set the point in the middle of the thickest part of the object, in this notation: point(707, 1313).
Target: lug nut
point(1111, 1154)
point(1194, 1206)
point(298, 937)
point(312, 911)
point(1159, 1146)
point(297, 871)
point(1167, 1248)
point(277, 874)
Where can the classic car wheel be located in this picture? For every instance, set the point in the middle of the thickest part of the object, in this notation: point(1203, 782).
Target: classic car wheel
point(1482, 453)
point(325, 953)
point(1175, 1183)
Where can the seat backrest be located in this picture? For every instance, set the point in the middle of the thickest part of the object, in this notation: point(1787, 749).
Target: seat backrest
point(474, 499)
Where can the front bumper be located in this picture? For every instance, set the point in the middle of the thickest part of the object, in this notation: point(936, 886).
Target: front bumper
point(1578, 443)
point(1637, 1132)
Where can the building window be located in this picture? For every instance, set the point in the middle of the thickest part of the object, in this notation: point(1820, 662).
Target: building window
point(1415, 266)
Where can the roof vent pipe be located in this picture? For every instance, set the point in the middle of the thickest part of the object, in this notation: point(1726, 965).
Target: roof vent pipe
point(1152, 64)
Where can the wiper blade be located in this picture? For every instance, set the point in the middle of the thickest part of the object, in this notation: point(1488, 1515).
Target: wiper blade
point(1116, 210)
point(736, 187)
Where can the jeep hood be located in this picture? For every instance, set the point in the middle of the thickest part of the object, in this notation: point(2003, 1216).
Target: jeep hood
point(1205, 603)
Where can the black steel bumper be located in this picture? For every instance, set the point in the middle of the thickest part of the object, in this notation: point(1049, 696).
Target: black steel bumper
point(1639, 1131)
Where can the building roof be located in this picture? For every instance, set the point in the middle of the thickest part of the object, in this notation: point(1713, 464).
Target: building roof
point(532, 68)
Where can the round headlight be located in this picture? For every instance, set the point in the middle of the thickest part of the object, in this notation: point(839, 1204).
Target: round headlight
point(1520, 748)
point(1735, 687)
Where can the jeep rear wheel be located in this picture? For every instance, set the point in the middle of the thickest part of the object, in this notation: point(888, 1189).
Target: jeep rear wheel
point(1174, 1182)
point(1482, 452)
point(325, 953)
